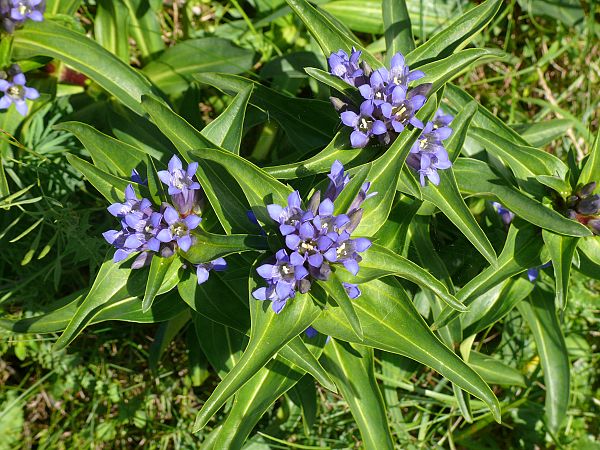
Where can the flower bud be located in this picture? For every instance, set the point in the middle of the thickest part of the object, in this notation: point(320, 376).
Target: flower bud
point(587, 189)
point(589, 205)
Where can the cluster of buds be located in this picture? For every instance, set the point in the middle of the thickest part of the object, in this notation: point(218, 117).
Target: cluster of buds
point(315, 240)
point(13, 13)
point(150, 232)
point(388, 106)
point(12, 85)
point(584, 207)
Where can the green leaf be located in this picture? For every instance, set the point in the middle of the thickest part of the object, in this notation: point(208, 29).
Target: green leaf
point(494, 371)
point(225, 198)
point(543, 133)
point(126, 309)
point(353, 371)
point(308, 123)
point(160, 270)
point(258, 187)
point(85, 55)
point(591, 168)
point(390, 322)
point(111, 187)
point(222, 345)
point(167, 331)
point(398, 31)
point(351, 190)
point(495, 304)
point(521, 251)
point(477, 178)
point(380, 262)
point(440, 72)
point(562, 250)
point(110, 28)
point(304, 394)
point(335, 83)
point(447, 198)
point(460, 127)
point(207, 247)
point(327, 34)
point(172, 71)
point(269, 333)
point(338, 149)
point(336, 291)
point(359, 15)
point(456, 36)
point(109, 154)
point(555, 183)
point(540, 314)
point(227, 129)
point(394, 233)
point(145, 27)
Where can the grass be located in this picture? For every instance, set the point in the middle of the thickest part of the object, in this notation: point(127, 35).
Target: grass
point(101, 392)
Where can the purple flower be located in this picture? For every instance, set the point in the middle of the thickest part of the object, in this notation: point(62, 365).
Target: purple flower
point(400, 74)
point(402, 106)
point(364, 124)
point(202, 270)
point(315, 239)
point(375, 90)
point(27, 9)
point(178, 229)
point(505, 214)
point(283, 279)
point(184, 190)
point(139, 226)
point(311, 332)
point(338, 180)
point(428, 153)
point(137, 178)
point(533, 273)
point(346, 67)
point(16, 92)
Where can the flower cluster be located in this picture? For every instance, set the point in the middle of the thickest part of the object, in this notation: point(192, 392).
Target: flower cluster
point(315, 240)
point(14, 13)
point(428, 153)
point(584, 206)
point(12, 85)
point(149, 232)
point(388, 106)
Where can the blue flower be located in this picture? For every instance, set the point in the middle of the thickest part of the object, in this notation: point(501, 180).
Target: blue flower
point(139, 226)
point(16, 92)
point(505, 214)
point(403, 104)
point(364, 124)
point(315, 239)
point(428, 153)
point(202, 270)
point(400, 74)
point(346, 67)
point(178, 229)
point(533, 273)
point(22, 10)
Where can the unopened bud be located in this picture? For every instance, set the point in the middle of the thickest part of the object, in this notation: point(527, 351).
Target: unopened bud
point(589, 205)
point(587, 189)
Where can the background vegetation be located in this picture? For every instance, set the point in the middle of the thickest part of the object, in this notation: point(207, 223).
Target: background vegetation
point(117, 387)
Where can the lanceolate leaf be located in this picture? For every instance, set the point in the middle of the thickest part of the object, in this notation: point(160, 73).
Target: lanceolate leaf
point(110, 186)
point(108, 153)
point(591, 168)
point(390, 322)
point(352, 369)
point(336, 83)
point(457, 35)
point(259, 188)
point(561, 249)
point(172, 71)
point(145, 27)
point(521, 252)
point(338, 149)
point(379, 262)
point(50, 39)
point(269, 333)
point(159, 272)
point(329, 37)
point(494, 371)
point(227, 129)
point(476, 178)
point(110, 28)
point(540, 314)
point(495, 304)
point(225, 197)
point(208, 246)
point(398, 31)
point(308, 123)
point(336, 291)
